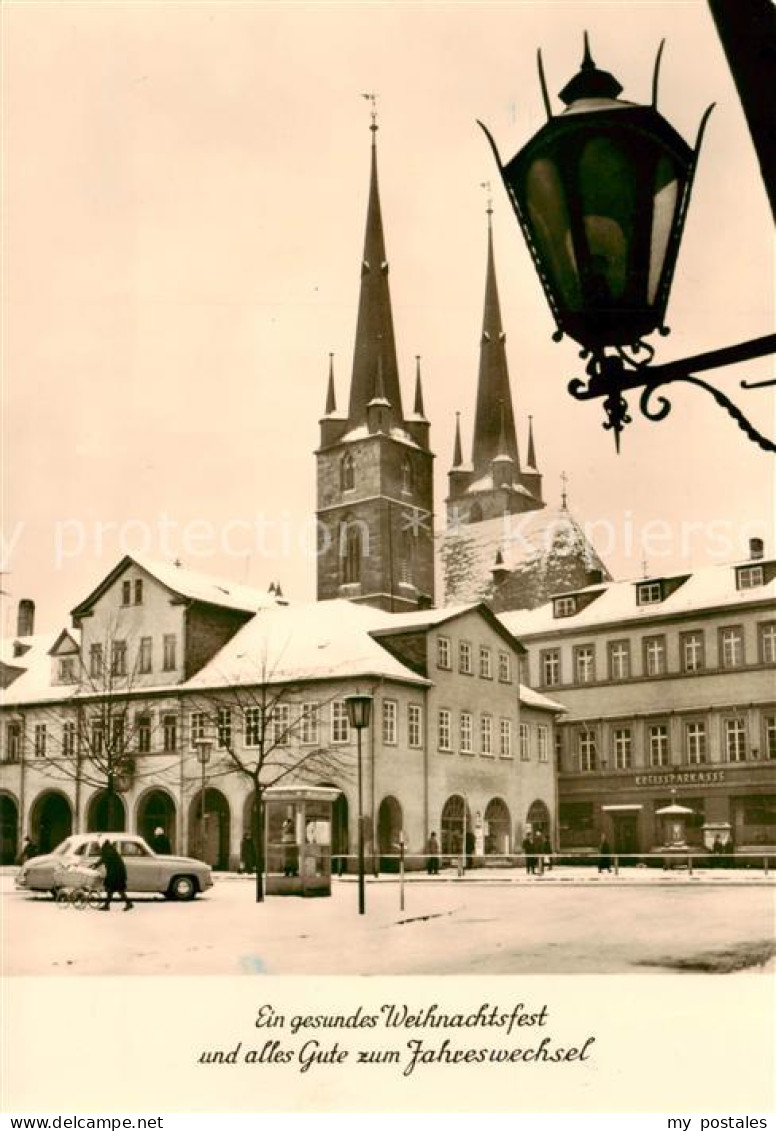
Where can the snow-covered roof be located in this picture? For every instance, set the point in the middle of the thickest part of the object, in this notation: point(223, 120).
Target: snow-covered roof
point(35, 681)
point(424, 618)
point(190, 584)
point(710, 587)
point(531, 698)
point(362, 433)
point(539, 542)
point(320, 640)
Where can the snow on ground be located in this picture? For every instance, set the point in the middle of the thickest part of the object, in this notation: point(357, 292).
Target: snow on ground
point(494, 927)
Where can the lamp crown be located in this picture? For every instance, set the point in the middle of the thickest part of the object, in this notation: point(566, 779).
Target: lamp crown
point(590, 82)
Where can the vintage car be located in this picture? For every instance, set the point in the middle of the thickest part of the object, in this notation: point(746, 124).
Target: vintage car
point(176, 877)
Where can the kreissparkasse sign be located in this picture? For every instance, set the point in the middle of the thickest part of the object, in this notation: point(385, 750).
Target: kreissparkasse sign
point(682, 777)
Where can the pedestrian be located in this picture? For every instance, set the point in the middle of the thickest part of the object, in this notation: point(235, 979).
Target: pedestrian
point(160, 842)
point(115, 876)
point(470, 846)
point(432, 861)
point(717, 849)
point(538, 850)
point(528, 852)
point(29, 849)
point(547, 852)
point(247, 853)
point(604, 855)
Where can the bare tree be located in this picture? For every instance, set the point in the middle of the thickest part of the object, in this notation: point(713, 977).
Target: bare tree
point(276, 739)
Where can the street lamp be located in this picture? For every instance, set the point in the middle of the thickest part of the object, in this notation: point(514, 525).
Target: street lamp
point(359, 715)
point(204, 749)
point(601, 194)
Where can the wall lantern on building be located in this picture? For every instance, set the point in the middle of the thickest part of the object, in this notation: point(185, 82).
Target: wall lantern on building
point(601, 194)
point(359, 708)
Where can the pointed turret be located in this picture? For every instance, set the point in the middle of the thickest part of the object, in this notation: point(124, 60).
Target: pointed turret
point(379, 406)
point(374, 329)
point(493, 383)
point(457, 449)
point(331, 400)
point(530, 476)
point(418, 410)
point(333, 424)
point(417, 425)
point(531, 449)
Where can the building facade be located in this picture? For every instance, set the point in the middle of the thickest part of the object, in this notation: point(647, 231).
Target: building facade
point(670, 689)
point(107, 725)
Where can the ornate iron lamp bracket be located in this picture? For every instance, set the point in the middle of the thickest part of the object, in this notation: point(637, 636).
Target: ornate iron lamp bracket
point(611, 376)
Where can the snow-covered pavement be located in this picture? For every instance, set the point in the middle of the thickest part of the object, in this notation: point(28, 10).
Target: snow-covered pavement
point(576, 925)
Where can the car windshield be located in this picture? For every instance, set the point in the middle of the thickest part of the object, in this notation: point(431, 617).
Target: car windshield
point(63, 848)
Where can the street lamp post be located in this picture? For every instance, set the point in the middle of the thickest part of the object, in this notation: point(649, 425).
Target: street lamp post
point(204, 749)
point(359, 715)
point(601, 194)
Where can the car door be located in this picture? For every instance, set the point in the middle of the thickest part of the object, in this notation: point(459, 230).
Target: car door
point(144, 872)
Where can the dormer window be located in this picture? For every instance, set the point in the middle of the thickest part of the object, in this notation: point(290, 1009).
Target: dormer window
point(564, 606)
point(67, 669)
point(649, 593)
point(749, 577)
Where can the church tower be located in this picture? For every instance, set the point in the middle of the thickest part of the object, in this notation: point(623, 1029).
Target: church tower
point(494, 483)
point(374, 464)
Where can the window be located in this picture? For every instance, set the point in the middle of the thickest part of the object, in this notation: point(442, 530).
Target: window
point(445, 729)
point(170, 732)
point(543, 743)
point(169, 663)
point(655, 655)
point(588, 751)
point(525, 750)
point(550, 661)
point(584, 663)
point(407, 558)
point(98, 738)
point(224, 728)
point(198, 728)
point(693, 652)
point(117, 735)
point(564, 606)
point(340, 727)
point(505, 737)
point(95, 661)
point(486, 663)
point(406, 476)
point(347, 473)
point(767, 633)
point(770, 736)
point(658, 745)
point(735, 740)
point(486, 734)
point(731, 648)
point(69, 740)
point(67, 669)
point(253, 727)
point(390, 713)
point(144, 655)
point(649, 593)
point(622, 748)
point(13, 742)
point(118, 657)
point(559, 750)
point(143, 734)
point(465, 658)
point(750, 577)
point(504, 667)
point(40, 736)
point(467, 736)
point(619, 660)
point(139, 591)
point(351, 552)
point(695, 743)
point(443, 653)
point(281, 724)
point(310, 730)
point(126, 592)
point(414, 725)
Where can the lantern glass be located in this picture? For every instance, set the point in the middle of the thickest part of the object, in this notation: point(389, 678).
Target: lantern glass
point(359, 710)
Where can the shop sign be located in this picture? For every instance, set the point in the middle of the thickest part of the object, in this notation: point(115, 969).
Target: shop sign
point(683, 777)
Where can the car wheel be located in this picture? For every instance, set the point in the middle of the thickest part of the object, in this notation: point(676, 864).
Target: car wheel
point(183, 887)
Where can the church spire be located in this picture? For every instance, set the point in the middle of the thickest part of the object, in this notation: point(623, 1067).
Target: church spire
point(331, 400)
point(531, 448)
point(374, 328)
point(419, 410)
point(493, 381)
point(457, 450)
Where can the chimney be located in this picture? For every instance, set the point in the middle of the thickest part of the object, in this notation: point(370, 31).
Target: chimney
point(756, 549)
point(595, 577)
point(25, 624)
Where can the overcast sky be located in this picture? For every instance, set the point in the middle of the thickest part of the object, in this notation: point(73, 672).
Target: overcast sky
point(184, 197)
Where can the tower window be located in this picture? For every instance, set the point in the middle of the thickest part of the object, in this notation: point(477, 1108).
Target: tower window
point(351, 554)
point(406, 561)
point(407, 476)
point(347, 473)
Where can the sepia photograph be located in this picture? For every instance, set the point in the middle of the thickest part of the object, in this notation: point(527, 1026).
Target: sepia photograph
point(388, 550)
